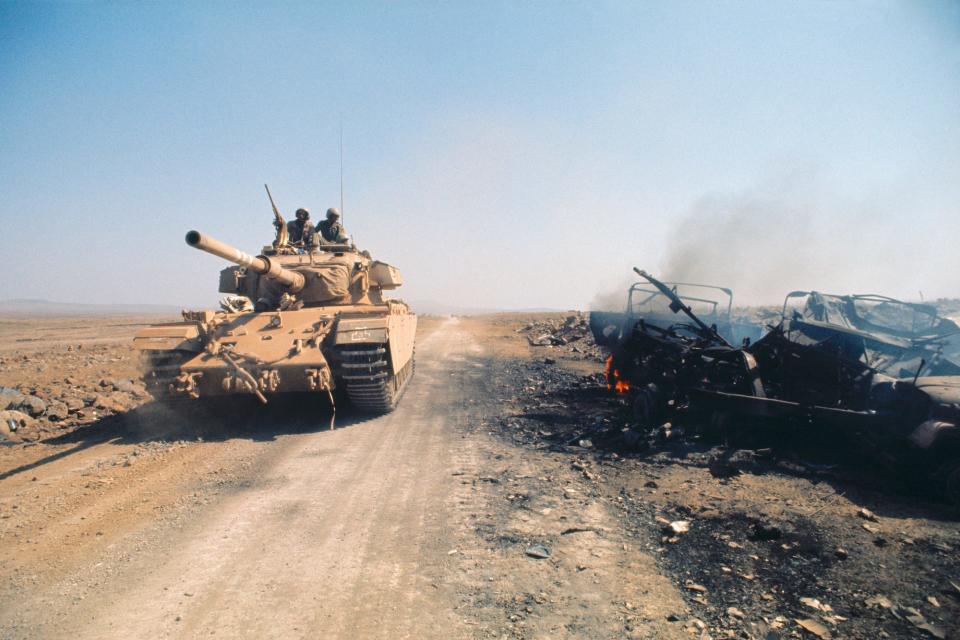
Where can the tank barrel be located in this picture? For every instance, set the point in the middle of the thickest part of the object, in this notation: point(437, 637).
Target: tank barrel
point(259, 264)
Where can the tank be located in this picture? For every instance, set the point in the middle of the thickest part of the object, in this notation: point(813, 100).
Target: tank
point(310, 320)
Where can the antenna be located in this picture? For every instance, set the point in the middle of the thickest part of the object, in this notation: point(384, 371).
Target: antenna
point(342, 216)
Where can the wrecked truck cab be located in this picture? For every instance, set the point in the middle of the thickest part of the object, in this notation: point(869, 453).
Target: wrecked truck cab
point(712, 304)
point(665, 352)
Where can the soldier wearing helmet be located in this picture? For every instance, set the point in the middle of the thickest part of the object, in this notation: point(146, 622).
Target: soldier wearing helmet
point(331, 230)
point(300, 231)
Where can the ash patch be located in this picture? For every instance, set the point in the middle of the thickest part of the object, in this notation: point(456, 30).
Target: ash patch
point(757, 566)
point(773, 535)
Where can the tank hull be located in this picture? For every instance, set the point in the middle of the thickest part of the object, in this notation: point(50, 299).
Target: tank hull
point(365, 350)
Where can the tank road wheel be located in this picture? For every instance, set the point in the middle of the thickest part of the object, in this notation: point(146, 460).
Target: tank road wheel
point(370, 386)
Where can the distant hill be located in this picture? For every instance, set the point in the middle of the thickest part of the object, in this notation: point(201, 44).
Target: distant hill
point(48, 308)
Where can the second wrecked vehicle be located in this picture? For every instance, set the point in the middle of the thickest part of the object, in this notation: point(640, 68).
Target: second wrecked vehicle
point(877, 370)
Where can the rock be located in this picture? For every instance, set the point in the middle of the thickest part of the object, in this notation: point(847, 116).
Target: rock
point(815, 628)
point(116, 402)
point(9, 398)
point(73, 403)
point(13, 423)
point(916, 619)
point(956, 589)
point(538, 551)
point(122, 401)
point(866, 514)
point(129, 386)
point(813, 603)
point(57, 411)
point(734, 612)
point(31, 405)
point(679, 526)
point(878, 601)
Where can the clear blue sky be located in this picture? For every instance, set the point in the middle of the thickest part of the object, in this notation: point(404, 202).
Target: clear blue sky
point(501, 154)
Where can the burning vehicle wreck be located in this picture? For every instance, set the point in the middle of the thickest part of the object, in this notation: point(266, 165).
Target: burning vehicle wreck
point(877, 372)
point(712, 304)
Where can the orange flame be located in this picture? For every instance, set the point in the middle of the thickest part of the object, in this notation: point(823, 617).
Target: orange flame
point(614, 383)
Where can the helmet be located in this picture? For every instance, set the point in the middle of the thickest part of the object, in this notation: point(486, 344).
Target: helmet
point(304, 213)
point(333, 212)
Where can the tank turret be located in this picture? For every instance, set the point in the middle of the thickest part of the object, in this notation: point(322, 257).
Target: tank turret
point(261, 265)
point(314, 276)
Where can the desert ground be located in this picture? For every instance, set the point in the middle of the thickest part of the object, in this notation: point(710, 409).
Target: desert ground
point(492, 503)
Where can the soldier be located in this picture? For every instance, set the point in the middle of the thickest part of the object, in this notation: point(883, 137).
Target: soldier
point(330, 229)
point(300, 231)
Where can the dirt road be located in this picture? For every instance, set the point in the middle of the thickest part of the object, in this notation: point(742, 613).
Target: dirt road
point(402, 526)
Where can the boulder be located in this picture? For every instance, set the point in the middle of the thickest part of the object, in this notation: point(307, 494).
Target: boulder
point(73, 403)
point(57, 411)
point(128, 386)
point(9, 398)
point(122, 401)
point(31, 405)
point(14, 423)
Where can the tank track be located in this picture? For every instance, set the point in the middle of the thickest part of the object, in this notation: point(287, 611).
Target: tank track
point(369, 384)
point(160, 370)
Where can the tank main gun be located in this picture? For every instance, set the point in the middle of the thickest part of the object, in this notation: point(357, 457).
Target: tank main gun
point(262, 265)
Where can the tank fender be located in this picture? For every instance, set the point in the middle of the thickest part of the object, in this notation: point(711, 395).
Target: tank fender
point(361, 330)
point(180, 336)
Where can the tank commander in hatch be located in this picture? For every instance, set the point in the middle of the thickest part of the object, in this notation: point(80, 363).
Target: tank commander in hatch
point(331, 230)
point(300, 231)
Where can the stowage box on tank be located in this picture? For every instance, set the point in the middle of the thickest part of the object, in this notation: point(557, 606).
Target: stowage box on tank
point(310, 320)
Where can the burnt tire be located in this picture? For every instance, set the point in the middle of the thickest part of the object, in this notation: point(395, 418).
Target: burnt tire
point(649, 408)
point(947, 481)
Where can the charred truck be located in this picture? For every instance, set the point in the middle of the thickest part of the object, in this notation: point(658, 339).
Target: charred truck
point(873, 370)
point(298, 319)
